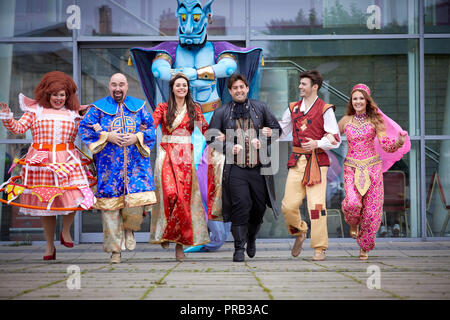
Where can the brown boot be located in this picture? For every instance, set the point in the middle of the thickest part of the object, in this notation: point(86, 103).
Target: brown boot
point(179, 253)
point(297, 247)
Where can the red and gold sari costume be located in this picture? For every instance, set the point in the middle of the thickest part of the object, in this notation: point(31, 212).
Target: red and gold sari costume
point(178, 216)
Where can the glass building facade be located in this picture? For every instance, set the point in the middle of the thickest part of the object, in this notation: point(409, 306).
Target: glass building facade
point(399, 48)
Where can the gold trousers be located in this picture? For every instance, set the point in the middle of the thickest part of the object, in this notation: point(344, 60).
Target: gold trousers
point(114, 224)
point(294, 195)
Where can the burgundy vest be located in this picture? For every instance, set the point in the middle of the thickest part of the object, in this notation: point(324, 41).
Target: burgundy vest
point(308, 125)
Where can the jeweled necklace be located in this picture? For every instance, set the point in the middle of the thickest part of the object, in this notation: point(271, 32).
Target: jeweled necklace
point(361, 118)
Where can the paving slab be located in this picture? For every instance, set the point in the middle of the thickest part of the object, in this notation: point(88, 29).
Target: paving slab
point(405, 270)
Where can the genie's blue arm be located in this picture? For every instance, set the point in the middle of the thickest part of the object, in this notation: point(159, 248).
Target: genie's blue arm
point(225, 66)
point(161, 69)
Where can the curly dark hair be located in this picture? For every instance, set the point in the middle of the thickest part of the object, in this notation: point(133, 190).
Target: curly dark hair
point(236, 77)
point(53, 82)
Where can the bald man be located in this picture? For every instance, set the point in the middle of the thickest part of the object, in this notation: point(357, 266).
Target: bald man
point(119, 131)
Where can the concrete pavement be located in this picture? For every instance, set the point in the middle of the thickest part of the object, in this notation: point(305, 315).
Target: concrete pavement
point(394, 271)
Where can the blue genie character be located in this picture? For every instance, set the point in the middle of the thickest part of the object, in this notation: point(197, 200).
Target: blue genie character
point(207, 65)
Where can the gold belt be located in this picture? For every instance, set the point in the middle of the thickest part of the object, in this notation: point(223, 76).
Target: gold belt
point(362, 178)
point(175, 139)
point(211, 106)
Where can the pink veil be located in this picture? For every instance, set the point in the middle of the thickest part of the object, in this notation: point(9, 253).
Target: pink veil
point(392, 131)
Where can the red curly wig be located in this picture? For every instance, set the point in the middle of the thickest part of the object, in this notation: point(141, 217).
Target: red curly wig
point(53, 82)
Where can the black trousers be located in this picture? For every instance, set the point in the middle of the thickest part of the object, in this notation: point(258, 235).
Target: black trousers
point(248, 195)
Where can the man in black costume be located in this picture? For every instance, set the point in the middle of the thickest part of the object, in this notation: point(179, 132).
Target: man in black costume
point(247, 184)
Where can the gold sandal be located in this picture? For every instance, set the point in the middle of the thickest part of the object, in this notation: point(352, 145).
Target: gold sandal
point(115, 257)
point(363, 255)
point(354, 231)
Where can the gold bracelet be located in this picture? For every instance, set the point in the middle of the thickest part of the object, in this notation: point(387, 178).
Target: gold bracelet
point(206, 73)
point(163, 56)
point(226, 55)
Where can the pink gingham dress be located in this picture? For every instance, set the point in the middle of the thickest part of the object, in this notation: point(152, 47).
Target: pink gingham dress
point(50, 127)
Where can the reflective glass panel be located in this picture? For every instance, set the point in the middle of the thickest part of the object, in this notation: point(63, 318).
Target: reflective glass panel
point(437, 154)
point(388, 67)
point(154, 17)
point(37, 18)
point(97, 67)
point(437, 86)
point(437, 16)
point(23, 66)
point(295, 17)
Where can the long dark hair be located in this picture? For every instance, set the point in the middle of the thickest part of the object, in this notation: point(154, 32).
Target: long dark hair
point(172, 104)
point(371, 111)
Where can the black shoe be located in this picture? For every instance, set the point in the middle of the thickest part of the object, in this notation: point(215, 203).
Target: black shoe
point(238, 256)
point(240, 238)
point(251, 242)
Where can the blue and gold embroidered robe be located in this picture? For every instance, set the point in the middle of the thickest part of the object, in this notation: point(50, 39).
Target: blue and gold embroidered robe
point(125, 177)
